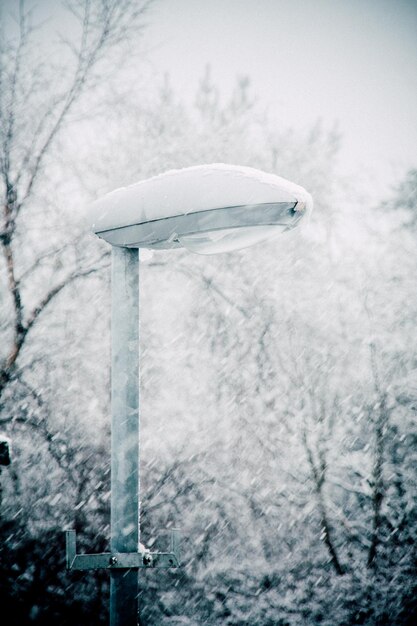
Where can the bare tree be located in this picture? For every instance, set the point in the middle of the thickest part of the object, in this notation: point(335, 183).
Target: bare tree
point(36, 102)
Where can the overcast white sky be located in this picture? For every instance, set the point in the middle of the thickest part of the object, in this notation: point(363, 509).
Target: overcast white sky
point(350, 61)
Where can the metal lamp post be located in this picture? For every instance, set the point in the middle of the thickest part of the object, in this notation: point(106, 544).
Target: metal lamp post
point(207, 209)
point(125, 487)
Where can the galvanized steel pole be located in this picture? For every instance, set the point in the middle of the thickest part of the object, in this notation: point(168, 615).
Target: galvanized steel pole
point(125, 432)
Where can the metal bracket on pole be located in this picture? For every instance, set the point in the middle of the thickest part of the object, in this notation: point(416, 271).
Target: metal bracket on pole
point(121, 560)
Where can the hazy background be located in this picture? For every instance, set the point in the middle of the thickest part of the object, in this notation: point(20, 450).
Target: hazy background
point(349, 63)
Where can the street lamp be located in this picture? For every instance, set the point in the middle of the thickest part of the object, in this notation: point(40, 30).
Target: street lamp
point(207, 209)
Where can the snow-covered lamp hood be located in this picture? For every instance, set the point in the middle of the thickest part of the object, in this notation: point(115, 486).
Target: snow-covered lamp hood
point(205, 208)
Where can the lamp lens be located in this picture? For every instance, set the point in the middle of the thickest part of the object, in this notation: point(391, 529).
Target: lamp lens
point(229, 239)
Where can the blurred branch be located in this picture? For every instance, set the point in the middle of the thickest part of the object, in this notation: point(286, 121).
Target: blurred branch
point(8, 367)
point(55, 291)
point(318, 472)
point(380, 414)
point(378, 487)
point(54, 252)
point(210, 285)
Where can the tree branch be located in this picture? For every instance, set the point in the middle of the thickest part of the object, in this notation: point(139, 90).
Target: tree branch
point(378, 487)
point(8, 138)
point(109, 30)
point(54, 292)
point(7, 370)
point(318, 474)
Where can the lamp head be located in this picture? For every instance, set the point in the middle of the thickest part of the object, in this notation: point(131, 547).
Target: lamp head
point(206, 209)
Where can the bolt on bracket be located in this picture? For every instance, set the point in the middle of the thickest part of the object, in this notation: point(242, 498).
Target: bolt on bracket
point(121, 560)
